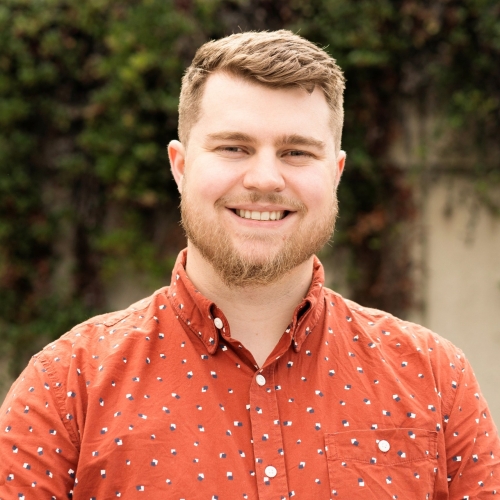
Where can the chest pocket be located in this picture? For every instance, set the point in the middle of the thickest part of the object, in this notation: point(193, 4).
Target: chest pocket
point(383, 463)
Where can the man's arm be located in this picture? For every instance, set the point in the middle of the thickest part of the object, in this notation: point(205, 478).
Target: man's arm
point(472, 443)
point(38, 445)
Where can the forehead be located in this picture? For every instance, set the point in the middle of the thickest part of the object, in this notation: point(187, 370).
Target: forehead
point(232, 103)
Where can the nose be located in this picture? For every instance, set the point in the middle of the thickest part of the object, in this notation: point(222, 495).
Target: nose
point(264, 173)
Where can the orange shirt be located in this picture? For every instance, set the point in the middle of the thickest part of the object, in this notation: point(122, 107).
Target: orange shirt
point(158, 401)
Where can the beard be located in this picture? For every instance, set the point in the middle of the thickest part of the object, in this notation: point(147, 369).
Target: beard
point(238, 269)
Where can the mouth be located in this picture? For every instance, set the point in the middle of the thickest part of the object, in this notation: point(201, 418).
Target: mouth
point(264, 216)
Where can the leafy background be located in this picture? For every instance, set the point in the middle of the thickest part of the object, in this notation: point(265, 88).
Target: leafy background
point(88, 101)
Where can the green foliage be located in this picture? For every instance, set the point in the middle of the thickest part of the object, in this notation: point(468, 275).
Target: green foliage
point(88, 101)
point(394, 51)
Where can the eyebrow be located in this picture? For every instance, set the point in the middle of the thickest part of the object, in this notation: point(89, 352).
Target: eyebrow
point(292, 139)
point(230, 136)
point(300, 140)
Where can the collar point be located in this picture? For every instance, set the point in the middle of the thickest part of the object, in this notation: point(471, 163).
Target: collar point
point(212, 344)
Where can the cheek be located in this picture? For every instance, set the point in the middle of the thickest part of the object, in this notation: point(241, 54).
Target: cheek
point(207, 183)
point(316, 190)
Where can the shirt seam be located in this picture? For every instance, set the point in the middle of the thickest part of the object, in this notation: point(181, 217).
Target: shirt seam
point(447, 411)
point(59, 400)
point(385, 464)
point(432, 439)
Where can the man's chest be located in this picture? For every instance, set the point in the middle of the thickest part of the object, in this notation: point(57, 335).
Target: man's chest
point(189, 425)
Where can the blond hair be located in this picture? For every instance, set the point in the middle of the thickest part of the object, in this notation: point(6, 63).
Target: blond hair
point(277, 59)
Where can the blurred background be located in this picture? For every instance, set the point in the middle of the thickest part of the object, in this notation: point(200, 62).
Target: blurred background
point(88, 210)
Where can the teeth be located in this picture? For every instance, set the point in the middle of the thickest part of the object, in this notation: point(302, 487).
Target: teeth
point(255, 215)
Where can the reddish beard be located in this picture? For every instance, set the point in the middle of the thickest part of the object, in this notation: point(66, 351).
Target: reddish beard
point(239, 270)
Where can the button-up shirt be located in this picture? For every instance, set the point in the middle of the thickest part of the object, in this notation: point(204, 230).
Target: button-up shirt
point(159, 401)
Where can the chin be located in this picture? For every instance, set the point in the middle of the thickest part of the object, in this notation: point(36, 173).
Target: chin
point(256, 253)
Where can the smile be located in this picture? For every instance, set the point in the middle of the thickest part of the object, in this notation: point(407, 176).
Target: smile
point(255, 215)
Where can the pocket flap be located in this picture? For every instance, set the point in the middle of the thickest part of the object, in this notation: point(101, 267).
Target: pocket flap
point(382, 446)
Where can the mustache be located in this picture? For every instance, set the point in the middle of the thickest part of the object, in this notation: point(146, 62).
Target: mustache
point(269, 198)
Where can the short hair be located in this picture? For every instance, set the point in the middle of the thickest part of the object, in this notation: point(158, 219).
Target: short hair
point(276, 59)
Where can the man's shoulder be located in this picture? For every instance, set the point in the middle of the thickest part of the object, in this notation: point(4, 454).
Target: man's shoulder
point(113, 317)
point(90, 332)
point(395, 334)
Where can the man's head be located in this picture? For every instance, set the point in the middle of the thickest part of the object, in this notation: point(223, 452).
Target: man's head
point(263, 115)
point(276, 59)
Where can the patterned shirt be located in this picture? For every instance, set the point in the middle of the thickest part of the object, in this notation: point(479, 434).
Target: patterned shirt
point(159, 401)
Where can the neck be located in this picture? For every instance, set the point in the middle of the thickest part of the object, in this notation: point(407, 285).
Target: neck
point(258, 315)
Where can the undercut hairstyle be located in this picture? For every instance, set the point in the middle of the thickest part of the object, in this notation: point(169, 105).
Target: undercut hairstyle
point(276, 59)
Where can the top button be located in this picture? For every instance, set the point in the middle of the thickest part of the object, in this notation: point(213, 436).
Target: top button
point(384, 446)
point(218, 323)
point(260, 379)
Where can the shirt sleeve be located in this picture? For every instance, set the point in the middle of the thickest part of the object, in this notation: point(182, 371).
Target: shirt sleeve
point(472, 443)
point(38, 446)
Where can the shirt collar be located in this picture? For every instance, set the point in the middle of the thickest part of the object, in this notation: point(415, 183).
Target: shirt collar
point(206, 321)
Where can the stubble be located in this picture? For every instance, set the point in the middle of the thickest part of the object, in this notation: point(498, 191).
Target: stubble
point(237, 269)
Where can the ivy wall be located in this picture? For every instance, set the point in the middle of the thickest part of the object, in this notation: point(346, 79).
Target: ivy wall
point(88, 101)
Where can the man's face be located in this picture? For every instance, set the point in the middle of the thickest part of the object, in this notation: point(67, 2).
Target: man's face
point(258, 181)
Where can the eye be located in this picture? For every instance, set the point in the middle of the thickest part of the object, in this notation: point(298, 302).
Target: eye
point(298, 157)
point(296, 152)
point(231, 152)
point(230, 149)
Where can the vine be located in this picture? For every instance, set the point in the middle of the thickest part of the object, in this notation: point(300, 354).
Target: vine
point(88, 100)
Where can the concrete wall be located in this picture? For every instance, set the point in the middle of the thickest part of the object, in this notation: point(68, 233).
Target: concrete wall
point(458, 272)
point(455, 238)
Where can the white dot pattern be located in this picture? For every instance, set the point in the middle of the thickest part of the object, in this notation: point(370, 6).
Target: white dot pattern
point(156, 402)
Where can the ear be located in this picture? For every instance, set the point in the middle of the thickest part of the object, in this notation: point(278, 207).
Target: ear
point(340, 166)
point(177, 157)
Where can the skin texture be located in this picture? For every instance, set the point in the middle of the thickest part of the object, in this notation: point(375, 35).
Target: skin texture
point(262, 149)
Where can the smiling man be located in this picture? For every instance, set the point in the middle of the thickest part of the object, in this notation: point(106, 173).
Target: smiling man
point(246, 378)
point(258, 174)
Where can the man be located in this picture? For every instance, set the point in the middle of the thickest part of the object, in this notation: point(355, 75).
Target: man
point(245, 378)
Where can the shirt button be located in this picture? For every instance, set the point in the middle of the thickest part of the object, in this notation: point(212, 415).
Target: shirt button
point(271, 471)
point(218, 323)
point(384, 446)
point(260, 379)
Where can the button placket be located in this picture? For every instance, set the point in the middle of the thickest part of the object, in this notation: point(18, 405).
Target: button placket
point(267, 437)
